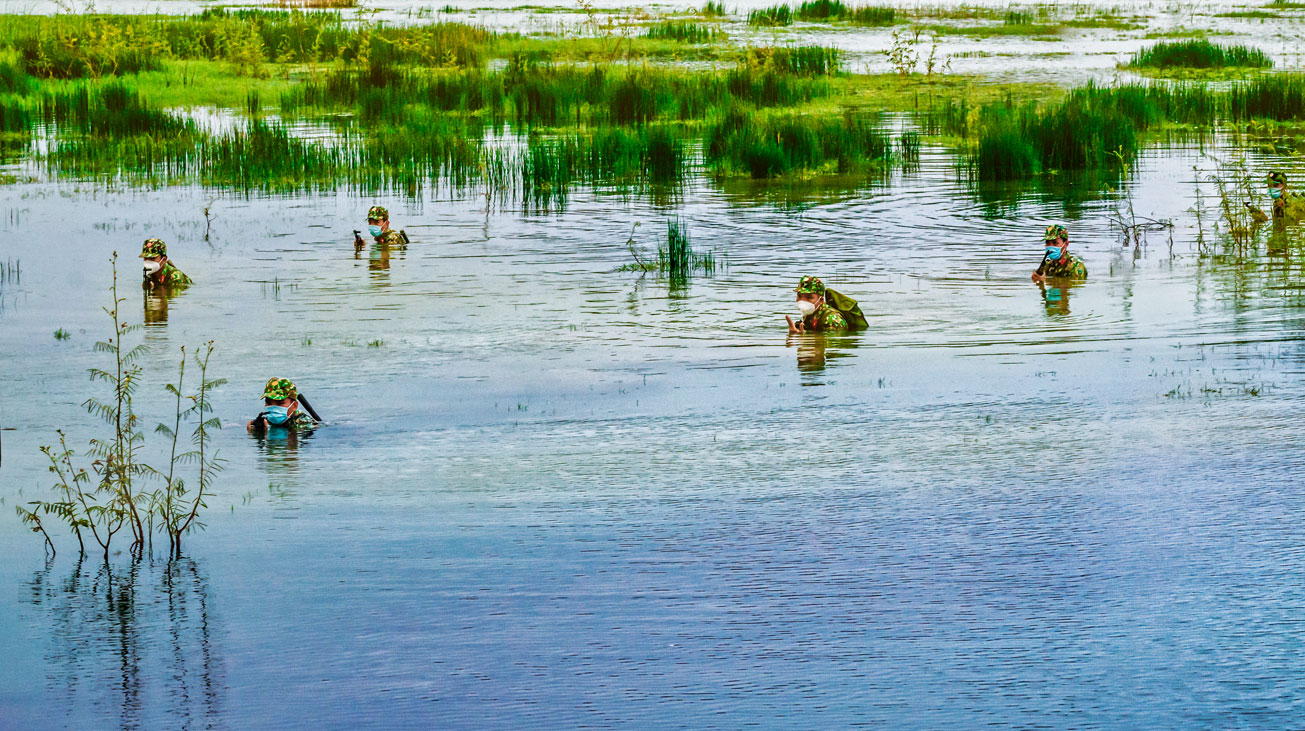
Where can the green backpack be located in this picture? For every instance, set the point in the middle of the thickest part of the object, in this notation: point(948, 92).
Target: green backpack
point(848, 308)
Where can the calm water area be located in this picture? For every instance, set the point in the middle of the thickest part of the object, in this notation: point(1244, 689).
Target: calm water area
point(566, 496)
point(553, 494)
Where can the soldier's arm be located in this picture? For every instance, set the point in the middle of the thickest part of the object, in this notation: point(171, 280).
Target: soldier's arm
point(833, 320)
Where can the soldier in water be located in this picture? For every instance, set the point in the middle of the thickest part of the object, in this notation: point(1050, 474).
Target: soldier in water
point(159, 270)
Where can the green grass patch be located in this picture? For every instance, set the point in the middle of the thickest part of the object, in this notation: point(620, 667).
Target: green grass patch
point(1249, 14)
point(1199, 54)
point(684, 32)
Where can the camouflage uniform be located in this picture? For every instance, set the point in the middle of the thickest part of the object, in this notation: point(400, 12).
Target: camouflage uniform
point(387, 238)
point(1279, 203)
point(1067, 266)
point(169, 275)
point(279, 389)
point(825, 318)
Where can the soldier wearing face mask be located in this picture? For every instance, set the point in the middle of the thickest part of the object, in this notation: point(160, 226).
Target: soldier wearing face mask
point(159, 271)
point(817, 314)
point(1057, 262)
point(1278, 192)
point(378, 225)
point(281, 408)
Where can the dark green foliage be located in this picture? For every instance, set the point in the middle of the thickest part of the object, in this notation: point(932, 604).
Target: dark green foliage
point(112, 109)
point(821, 10)
point(1017, 17)
point(1199, 54)
point(817, 11)
point(872, 15)
point(772, 16)
point(684, 32)
point(713, 9)
point(794, 60)
point(739, 142)
point(1277, 97)
point(677, 259)
point(94, 46)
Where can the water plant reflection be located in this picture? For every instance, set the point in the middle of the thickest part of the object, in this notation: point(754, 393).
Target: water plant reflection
point(137, 641)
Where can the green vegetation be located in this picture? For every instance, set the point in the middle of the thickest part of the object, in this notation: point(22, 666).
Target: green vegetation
point(740, 143)
point(676, 259)
point(100, 501)
point(1199, 54)
point(713, 9)
point(823, 11)
point(685, 32)
point(61, 334)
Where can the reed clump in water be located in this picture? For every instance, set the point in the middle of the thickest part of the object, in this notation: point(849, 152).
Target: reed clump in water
point(1199, 54)
point(675, 259)
point(684, 32)
point(742, 143)
point(776, 15)
point(818, 11)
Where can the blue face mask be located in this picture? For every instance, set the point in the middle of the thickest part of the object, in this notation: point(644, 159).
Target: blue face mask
point(1275, 192)
point(276, 415)
point(1053, 253)
point(373, 230)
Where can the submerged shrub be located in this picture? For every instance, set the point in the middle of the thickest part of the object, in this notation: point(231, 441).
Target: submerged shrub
point(1199, 54)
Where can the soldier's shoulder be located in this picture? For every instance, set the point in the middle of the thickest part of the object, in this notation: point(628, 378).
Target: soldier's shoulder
point(393, 238)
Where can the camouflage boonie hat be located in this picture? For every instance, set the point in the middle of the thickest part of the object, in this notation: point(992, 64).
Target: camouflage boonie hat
point(280, 388)
point(378, 213)
point(1277, 178)
point(152, 248)
point(1055, 232)
point(811, 285)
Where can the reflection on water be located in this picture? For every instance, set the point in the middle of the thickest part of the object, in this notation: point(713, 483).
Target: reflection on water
point(134, 640)
point(278, 451)
point(1055, 296)
point(818, 351)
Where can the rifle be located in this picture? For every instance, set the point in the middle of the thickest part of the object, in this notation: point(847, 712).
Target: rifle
point(358, 242)
point(309, 408)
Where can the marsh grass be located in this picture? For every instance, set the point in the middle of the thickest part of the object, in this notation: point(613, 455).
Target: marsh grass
point(742, 143)
point(823, 11)
point(61, 334)
point(1199, 54)
point(685, 32)
point(676, 260)
point(776, 15)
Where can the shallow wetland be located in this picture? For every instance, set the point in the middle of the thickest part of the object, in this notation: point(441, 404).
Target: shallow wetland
point(575, 473)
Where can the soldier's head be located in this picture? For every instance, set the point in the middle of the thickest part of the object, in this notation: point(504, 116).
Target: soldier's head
point(378, 220)
point(155, 254)
point(1056, 241)
point(1277, 182)
point(281, 399)
point(810, 294)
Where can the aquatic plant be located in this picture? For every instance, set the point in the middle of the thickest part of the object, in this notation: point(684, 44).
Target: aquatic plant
point(684, 32)
point(103, 504)
point(176, 506)
point(713, 9)
point(776, 15)
point(739, 142)
point(675, 259)
point(872, 15)
point(109, 496)
point(821, 10)
point(1199, 54)
point(61, 334)
point(794, 60)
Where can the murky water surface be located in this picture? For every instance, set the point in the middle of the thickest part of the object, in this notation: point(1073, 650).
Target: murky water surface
point(559, 495)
